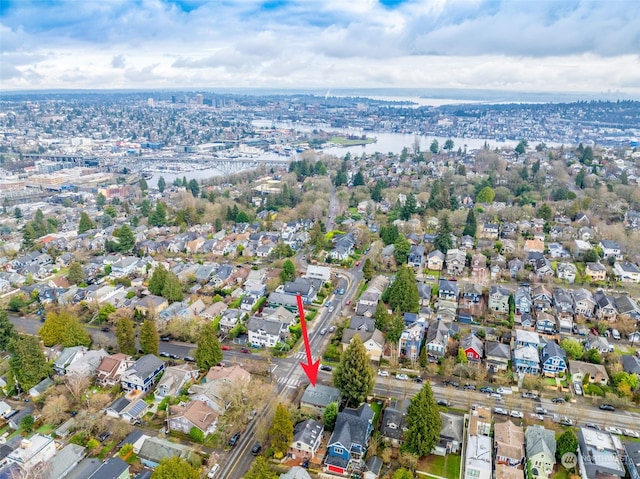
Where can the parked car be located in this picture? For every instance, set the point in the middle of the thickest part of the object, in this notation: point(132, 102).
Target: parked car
point(539, 417)
point(565, 421)
point(165, 338)
point(332, 329)
point(357, 263)
point(486, 389)
point(469, 387)
point(224, 347)
point(442, 402)
point(245, 350)
point(402, 377)
point(496, 396)
point(558, 400)
point(163, 354)
point(418, 380)
point(607, 407)
point(383, 373)
point(214, 470)
point(255, 450)
point(501, 411)
point(324, 367)
point(234, 439)
point(190, 359)
point(502, 390)
point(331, 309)
point(529, 395)
point(540, 410)
point(106, 329)
point(592, 426)
point(577, 387)
point(631, 433)
point(516, 414)
point(323, 331)
point(104, 436)
point(613, 430)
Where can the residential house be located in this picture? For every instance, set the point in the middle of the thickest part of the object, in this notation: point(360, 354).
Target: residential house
point(600, 454)
point(599, 343)
point(266, 332)
point(566, 271)
point(627, 272)
point(554, 360)
point(515, 266)
point(150, 305)
point(218, 379)
point(373, 341)
point(478, 458)
point(489, 231)
point(411, 340)
point(15, 419)
point(632, 457)
point(416, 256)
point(596, 373)
point(303, 287)
point(631, 364)
point(455, 262)
point(526, 360)
point(124, 267)
point(66, 460)
point(451, 434)
point(534, 245)
point(541, 451)
point(448, 290)
point(343, 246)
point(229, 319)
point(472, 347)
point(522, 300)
point(322, 273)
point(541, 297)
point(543, 269)
point(471, 296)
point(611, 248)
point(32, 451)
point(40, 388)
point(498, 356)
point(142, 374)
point(437, 339)
point(368, 301)
point(316, 398)
point(479, 269)
point(347, 447)
point(509, 444)
point(112, 468)
point(499, 299)
point(556, 250)
point(435, 260)
point(596, 271)
point(605, 306)
point(196, 414)
point(394, 422)
point(307, 439)
point(583, 302)
point(527, 338)
point(174, 379)
point(154, 450)
point(546, 323)
point(627, 307)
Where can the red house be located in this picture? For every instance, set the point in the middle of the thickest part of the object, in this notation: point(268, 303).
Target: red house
point(473, 347)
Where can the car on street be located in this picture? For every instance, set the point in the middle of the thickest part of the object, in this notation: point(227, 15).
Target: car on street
point(106, 329)
point(591, 425)
point(558, 401)
point(418, 380)
point(502, 390)
point(443, 402)
point(452, 384)
point(190, 359)
point(565, 421)
point(402, 377)
point(501, 411)
point(224, 347)
point(245, 350)
point(516, 414)
point(324, 367)
point(164, 354)
point(331, 309)
point(104, 436)
point(323, 331)
point(234, 439)
point(469, 387)
point(357, 263)
point(538, 417)
point(165, 338)
point(383, 373)
point(496, 396)
point(332, 329)
point(348, 302)
point(613, 430)
point(540, 410)
point(486, 390)
point(529, 395)
point(255, 450)
point(173, 356)
point(607, 407)
point(631, 433)
point(341, 290)
point(214, 470)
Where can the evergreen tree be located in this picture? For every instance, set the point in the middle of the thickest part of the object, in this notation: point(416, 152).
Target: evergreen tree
point(567, 442)
point(208, 352)
point(7, 331)
point(28, 364)
point(259, 470)
point(381, 316)
point(330, 415)
point(145, 208)
point(281, 430)
point(409, 207)
point(354, 376)
point(443, 240)
point(316, 237)
point(580, 179)
point(157, 281)
point(448, 145)
point(143, 185)
point(162, 184)
point(389, 234)
point(396, 326)
point(401, 250)
point(175, 468)
point(358, 179)
point(472, 226)
point(172, 289)
point(403, 293)
point(101, 200)
point(76, 273)
point(149, 339)
point(423, 423)
point(434, 147)
point(126, 336)
point(159, 215)
point(288, 272)
point(126, 240)
point(367, 269)
point(63, 328)
point(85, 223)
point(194, 187)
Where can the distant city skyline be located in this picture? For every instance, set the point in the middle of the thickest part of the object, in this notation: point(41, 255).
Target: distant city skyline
point(563, 46)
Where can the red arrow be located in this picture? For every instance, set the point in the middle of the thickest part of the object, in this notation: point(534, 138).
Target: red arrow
point(311, 368)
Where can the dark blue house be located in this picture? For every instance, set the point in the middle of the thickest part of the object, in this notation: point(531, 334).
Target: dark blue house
point(448, 290)
point(347, 446)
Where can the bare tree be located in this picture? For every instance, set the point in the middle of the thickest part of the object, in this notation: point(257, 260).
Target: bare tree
point(55, 409)
point(77, 385)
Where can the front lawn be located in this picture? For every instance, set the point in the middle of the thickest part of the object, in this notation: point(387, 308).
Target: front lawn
point(444, 466)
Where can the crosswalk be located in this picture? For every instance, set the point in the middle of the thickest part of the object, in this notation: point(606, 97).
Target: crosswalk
point(300, 355)
point(289, 382)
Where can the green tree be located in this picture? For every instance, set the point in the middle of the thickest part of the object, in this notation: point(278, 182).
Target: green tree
point(242, 217)
point(63, 328)
point(105, 311)
point(7, 331)
point(567, 442)
point(162, 184)
point(159, 215)
point(172, 289)
point(580, 179)
point(28, 364)
point(423, 423)
point(522, 147)
point(402, 473)
point(149, 339)
point(27, 423)
point(101, 200)
point(486, 195)
point(389, 234)
point(396, 326)
point(592, 356)
point(288, 272)
point(281, 430)
point(85, 223)
point(76, 273)
point(157, 281)
point(175, 468)
point(409, 207)
point(145, 208)
point(17, 302)
point(403, 293)
point(126, 240)
point(381, 316)
point(354, 376)
point(194, 187)
point(443, 240)
point(196, 434)
point(573, 348)
point(126, 336)
point(330, 415)
point(545, 212)
point(462, 357)
point(434, 147)
point(358, 179)
point(471, 226)
point(17, 213)
point(401, 250)
point(111, 211)
point(143, 185)
point(367, 269)
point(448, 145)
point(259, 470)
point(208, 352)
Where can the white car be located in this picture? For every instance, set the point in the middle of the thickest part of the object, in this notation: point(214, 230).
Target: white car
point(630, 433)
point(402, 377)
point(502, 390)
point(383, 373)
point(539, 417)
point(501, 411)
point(613, 430)
point(540, 410)
point(577, 387)
point(517, 414)
point(213, 470)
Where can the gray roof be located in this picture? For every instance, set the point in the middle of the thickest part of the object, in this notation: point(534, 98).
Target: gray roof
point(352, 426)
point(155, 449)
point(395, 414)
point(65, 460)
point(538, 439)
point(110, 469)
point(320, 395)
point(270, 327)
point(307, 432)
point(631, 364)
point(451, 426)
point(551, 350)
point(146, 365)
point(296, 472)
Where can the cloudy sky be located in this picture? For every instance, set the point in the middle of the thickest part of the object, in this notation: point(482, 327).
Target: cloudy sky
point(528, 45)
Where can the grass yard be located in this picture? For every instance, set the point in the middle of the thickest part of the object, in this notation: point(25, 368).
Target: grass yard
point(377, 410)
point(443, 466)
point(46, 429)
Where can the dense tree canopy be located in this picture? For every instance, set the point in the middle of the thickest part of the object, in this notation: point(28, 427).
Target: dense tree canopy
point(403, 294)
point(126, 336)
point(208, 352)
point(149, 339)
point(354, 376)
point(281, 430)
point(28, 363)
point(63, 328)
point(7, 331)
point(443, 240)
point(85, 223)
point(567, 442)
point(423, 423)
point(260, 470)
point(76, 274)
point(162, 184)
point(288, 272)
point(175, 468)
